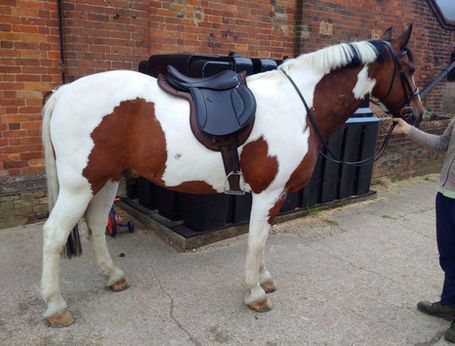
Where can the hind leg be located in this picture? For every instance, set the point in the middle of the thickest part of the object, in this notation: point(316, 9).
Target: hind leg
point(67, 211)
point(96, 218)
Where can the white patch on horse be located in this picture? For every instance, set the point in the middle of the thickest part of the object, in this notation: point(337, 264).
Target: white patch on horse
point(337, 56)
point(364, 84)
point(279, 110)
point(187, 159)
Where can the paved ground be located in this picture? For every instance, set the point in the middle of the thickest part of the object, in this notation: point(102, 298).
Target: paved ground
point(349, 276)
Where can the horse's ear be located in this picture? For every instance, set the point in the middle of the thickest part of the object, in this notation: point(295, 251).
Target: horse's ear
point(404, 37)
point(387, 35)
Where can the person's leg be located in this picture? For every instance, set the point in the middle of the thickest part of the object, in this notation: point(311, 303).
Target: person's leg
point(445, 221)
point(445, 233)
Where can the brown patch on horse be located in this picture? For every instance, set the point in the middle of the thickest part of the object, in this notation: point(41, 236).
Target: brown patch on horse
point(129, 137)
point(276, 208)
point(302, 174)
point(341, 103)
point(197, 186)
point(259, 169)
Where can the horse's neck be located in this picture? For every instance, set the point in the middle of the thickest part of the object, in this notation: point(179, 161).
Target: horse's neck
point(337, 95)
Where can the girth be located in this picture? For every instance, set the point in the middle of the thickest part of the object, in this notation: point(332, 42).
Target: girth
point(222, 113)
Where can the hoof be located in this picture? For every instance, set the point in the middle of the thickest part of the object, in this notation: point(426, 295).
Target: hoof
point(60, 319)
point(261, 306)
point(119, 285)
point(268, 286)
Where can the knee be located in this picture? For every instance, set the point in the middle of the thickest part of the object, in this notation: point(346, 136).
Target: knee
point(53, 242)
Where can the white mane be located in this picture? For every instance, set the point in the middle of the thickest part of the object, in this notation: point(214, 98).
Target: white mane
point(333, 57)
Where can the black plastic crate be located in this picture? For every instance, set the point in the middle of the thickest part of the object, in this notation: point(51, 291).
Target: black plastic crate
point(263, 65)
point(147, 193)
point(291, 202)
point(241, 208)
point(239, 63)
point(168, 203)
point(370, 128)
point(204, 213)
point(207, 68)
point(330, 173)
point(157, 64)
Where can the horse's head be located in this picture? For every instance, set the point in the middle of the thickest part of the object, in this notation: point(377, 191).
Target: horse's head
point(395, 87)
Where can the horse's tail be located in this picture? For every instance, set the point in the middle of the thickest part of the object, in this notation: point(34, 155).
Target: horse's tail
point(73, 245)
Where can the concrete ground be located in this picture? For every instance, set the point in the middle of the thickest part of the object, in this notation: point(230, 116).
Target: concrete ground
point(348, 276)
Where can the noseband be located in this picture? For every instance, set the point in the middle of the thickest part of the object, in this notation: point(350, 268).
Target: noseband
point(410, 94)
point(407, 88)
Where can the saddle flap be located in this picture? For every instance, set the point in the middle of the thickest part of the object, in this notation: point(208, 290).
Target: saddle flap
point(223, 112)
point(244, 104)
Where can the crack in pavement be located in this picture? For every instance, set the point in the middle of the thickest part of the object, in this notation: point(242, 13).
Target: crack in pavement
point(434, 340)
point(417, 232)
point(171, 310)
point(358, 267)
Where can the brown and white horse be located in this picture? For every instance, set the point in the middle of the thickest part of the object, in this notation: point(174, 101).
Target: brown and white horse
point(100, 125)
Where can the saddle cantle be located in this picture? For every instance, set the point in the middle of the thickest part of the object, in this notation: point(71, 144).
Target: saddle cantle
point(222, 110)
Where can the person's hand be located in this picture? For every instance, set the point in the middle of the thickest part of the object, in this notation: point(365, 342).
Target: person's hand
point(401, 128)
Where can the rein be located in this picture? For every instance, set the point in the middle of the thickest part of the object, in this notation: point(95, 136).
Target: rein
point(374, 158)
point(325, 145)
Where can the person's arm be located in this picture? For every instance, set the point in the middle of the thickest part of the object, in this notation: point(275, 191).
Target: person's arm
point(434, 142)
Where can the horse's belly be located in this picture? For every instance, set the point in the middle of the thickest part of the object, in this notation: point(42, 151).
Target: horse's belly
point(187, 159)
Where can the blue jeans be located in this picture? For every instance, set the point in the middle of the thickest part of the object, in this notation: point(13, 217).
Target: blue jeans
point(445, 234)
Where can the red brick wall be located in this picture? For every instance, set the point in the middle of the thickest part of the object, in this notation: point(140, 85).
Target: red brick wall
point(351, 20)
point(252, 28)
point(404, 158)
point(111, 34)
point(102, 35)
point(29, 65)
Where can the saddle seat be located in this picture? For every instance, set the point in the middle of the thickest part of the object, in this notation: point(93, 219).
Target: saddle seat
point(224, 80)
point(222, 111)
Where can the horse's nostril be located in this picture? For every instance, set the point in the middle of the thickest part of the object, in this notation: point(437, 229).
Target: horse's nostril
point(406, 111)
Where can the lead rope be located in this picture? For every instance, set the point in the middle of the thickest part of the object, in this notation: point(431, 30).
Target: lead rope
point(324, 143)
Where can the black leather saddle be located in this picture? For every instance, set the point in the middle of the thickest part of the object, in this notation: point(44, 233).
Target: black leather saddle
point(223, 103)
point(222, 111)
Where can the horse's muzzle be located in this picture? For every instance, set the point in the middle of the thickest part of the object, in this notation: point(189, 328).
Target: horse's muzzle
point(408, 115)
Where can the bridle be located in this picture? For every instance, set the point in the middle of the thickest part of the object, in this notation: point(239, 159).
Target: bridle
point(410, 95)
